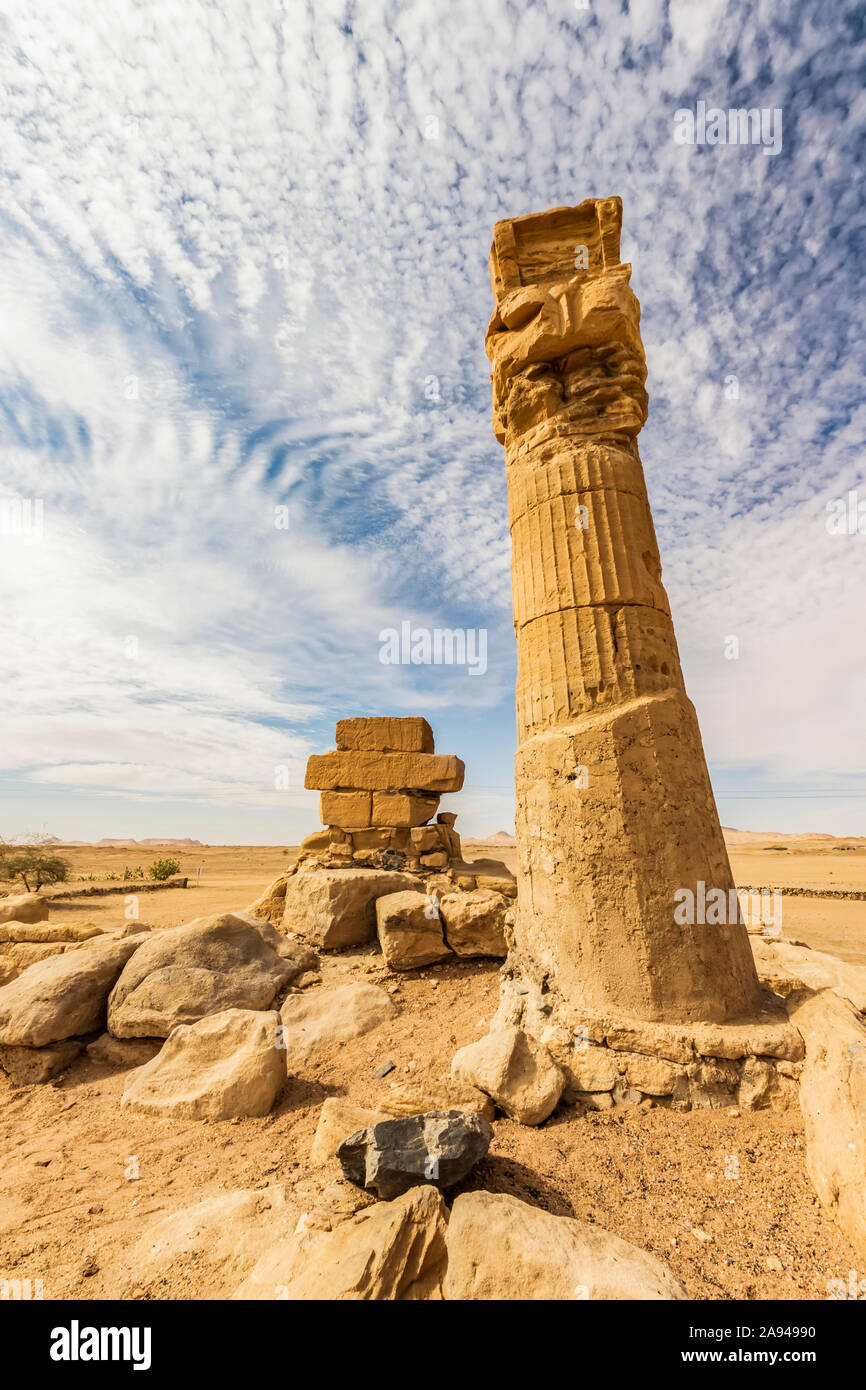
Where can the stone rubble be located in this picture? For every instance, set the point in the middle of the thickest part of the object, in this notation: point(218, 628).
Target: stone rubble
point(65, 995)
point(379, 791)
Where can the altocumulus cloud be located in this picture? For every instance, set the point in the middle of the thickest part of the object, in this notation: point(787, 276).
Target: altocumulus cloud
point(245, 269)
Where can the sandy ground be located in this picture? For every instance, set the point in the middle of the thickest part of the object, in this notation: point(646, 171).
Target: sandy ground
point(722, 1198)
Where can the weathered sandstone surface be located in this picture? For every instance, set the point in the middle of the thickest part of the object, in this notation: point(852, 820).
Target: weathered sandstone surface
point(65, 995)
point(833, 1101)
point(515, 1071)
point(335, 908)
point(410, 930)
point(787, 967)
point(614, 806)
point(319, 1019)
point(392, 1250)
point(223, 1066)
point(501, 1248)
point(185, 973)
point(23, 907)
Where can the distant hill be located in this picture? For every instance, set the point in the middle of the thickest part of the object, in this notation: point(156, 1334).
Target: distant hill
point(744, 837)
point(121, 844)
point(732, 837)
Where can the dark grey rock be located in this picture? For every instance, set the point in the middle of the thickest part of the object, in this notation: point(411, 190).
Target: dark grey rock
point(439, 1148)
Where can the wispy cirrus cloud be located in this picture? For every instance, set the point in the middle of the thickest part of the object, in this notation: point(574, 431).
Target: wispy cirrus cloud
point(245, 268)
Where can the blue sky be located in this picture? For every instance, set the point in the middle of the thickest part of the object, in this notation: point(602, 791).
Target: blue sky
point(245, 267)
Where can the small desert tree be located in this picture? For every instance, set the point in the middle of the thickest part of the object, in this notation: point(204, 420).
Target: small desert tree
point(34, 860)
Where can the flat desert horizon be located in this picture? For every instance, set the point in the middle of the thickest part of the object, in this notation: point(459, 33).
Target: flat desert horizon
point(829, 916)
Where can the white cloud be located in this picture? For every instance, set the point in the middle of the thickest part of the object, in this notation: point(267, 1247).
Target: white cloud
point(234, 263)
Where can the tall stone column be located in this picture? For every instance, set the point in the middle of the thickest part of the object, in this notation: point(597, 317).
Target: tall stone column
point(615, 812)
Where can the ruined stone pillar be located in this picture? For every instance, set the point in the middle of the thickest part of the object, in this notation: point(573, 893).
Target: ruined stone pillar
point(615, 812)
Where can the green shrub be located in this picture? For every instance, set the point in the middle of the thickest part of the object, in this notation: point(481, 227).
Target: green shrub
point(162, 869)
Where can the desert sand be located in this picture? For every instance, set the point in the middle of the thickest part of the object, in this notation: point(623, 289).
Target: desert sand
point(71, 1216)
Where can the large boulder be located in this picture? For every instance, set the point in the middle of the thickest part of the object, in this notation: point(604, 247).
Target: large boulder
point(410, 930)
point(515, 1071)
point(23, 907)
point(23, 944)
point(18, 956)
point(475, 922)
point(500, 1248)
point(788, 967)
point(391, 1156)
point(64, 996)
point(211, 1245)
point(335, 908)
point(318, 1019)
point(185, 973)
point(223, 1066)
point(833, 1101)
point(389, 1251)
point(298, 956)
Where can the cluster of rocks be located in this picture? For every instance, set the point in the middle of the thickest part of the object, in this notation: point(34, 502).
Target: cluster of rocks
point(373, 1223)
point(529, 1073)
point(26, 935)
point(603, 1059)
point(121, 992)
point(262, 1245)
point(380, 790)
point(417, 918)
point(209, 1019)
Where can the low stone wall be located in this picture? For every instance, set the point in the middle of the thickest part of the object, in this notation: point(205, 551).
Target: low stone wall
point(851, 894)
point(120, 887)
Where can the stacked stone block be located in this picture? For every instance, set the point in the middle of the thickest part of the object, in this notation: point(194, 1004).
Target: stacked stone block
point(380, 790)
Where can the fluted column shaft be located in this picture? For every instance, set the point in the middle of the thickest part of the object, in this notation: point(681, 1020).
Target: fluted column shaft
point(615, 812)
